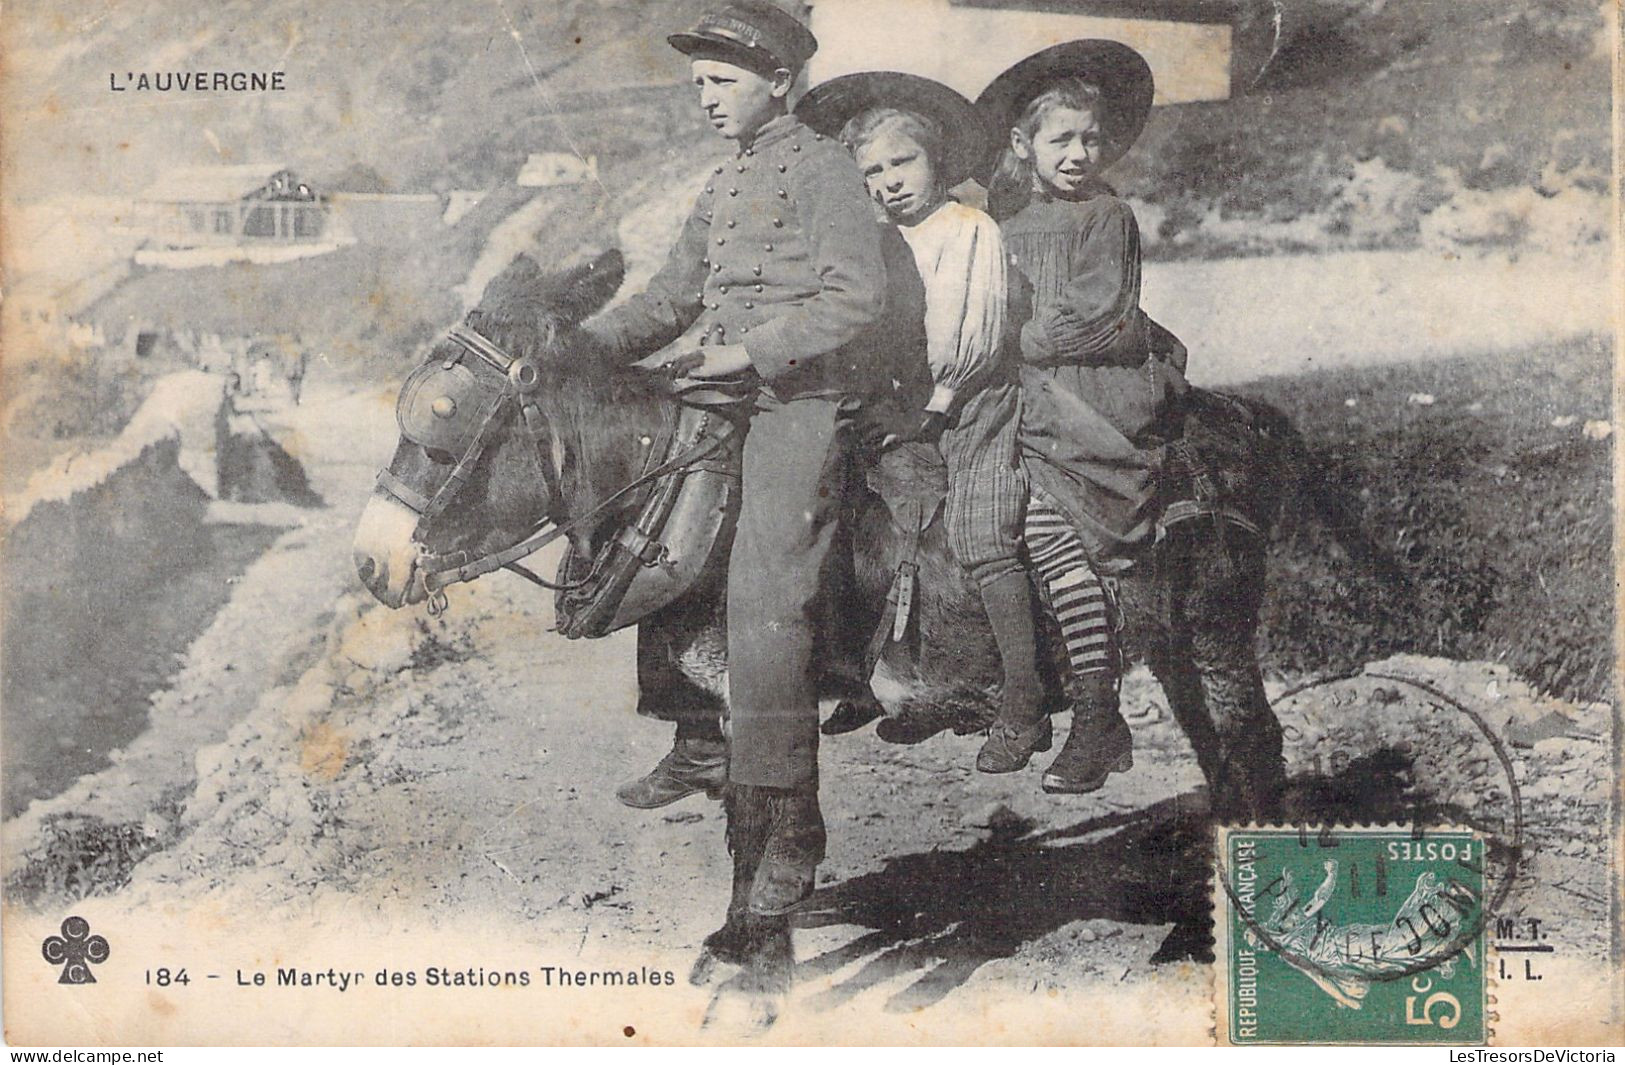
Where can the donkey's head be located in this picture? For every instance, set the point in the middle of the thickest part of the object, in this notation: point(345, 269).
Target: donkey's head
point(491, 431)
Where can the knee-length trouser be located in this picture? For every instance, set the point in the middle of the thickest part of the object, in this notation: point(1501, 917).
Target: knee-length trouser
point(987, 490)
point(790, 504)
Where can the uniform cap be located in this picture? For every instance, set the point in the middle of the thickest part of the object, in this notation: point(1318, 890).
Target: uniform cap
point(755, 34)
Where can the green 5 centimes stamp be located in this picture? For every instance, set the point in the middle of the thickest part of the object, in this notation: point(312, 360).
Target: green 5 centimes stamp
point(1351, 935)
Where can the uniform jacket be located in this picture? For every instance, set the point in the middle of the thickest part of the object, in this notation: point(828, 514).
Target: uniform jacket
point(1096, 400)
point(783, 253)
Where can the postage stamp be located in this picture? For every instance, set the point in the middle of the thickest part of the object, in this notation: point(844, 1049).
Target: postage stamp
point(1352, 935)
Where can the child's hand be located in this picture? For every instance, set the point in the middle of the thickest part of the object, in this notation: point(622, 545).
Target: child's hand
point(715, 360)
point(928, 430)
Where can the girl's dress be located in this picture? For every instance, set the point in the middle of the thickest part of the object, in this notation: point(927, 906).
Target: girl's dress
point(1097, 390)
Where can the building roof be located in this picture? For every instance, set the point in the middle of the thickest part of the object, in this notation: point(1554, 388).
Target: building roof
point(210, 184)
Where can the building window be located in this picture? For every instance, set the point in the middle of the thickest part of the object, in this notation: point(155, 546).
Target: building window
point(222, 221)
point(307, 222)
point(261, 222)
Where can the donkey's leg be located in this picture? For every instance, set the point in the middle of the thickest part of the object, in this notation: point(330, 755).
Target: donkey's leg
point(1250, 775)
point(760, 945)
point(1168, 653)
point(1170, 658)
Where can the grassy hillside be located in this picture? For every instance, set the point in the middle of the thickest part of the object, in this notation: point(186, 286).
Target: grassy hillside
point(1451, 123)
point(1481, 476)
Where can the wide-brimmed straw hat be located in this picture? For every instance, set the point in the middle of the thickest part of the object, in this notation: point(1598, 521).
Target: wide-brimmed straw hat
point(967, 143)
point(755, 34)
point(1122, 75)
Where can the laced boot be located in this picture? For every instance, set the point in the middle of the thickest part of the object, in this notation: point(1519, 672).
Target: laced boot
point(794, 845)
point(1022, 728)
point(694, 764)
point(1099, 744)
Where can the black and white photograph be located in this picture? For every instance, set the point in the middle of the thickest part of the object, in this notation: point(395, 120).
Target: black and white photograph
point(809, 522)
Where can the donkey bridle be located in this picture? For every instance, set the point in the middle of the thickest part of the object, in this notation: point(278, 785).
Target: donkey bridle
point(521, 379)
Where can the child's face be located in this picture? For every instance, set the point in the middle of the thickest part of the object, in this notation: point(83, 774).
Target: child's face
point(1065, 150)
point(900, 175)
point(738, 102)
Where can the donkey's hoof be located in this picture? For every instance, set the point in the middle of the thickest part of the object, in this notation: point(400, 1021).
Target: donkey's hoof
point(704, 969)
point(740, 1008)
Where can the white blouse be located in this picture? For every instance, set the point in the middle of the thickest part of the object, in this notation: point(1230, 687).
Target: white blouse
point(961, 259)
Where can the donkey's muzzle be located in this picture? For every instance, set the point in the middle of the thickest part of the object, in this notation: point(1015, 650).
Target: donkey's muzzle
point(385, 553)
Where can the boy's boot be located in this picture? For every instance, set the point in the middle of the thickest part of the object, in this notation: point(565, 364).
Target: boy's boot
point(697, 761)
point(790, 826)
point(1022, 727)
point(1099, 744)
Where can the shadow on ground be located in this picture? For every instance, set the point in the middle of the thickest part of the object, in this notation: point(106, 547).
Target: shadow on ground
point(944, 914)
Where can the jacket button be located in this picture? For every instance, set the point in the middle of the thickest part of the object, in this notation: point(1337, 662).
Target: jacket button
point(783, 194)
point(718, 170)
point(757, 269)
point(778, 223)
point(710, 188)
point(722, 289)
point(740, 168)
point(732, 222)
point(716, 268)
point(713, 305)
point(750, 151)
point(795, 147)
point(721, 241)
point(749, 305)
point(782, 168)
point(758, 288)
point(818, 136)
point(733, 192)
point(767, 247)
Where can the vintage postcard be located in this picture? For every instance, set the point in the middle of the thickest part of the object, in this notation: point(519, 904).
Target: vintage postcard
point(852, 521)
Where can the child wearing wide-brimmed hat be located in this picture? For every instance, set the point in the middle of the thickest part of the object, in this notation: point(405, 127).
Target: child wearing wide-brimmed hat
point(915, 139)
point(1100, 380)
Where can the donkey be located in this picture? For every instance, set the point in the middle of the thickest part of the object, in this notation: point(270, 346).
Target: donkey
point(498, 477)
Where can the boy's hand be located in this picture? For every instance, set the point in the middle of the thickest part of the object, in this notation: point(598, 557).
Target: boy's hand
point(712, 361)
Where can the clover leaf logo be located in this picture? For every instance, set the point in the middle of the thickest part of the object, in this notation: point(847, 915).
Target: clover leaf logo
point(76, 950)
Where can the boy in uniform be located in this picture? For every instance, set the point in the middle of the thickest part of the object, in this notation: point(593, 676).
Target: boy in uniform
point(780, 264)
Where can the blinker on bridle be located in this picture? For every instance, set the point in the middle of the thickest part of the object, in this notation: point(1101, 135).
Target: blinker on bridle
point(521, 378)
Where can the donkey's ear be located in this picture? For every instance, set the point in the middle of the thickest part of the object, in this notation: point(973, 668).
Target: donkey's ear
point(582, 290)
point(519, 283)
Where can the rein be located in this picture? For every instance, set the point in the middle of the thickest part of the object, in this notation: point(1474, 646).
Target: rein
point(438, 571)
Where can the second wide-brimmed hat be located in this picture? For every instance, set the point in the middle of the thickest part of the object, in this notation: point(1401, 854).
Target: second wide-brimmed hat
point(967, 144)
point(1122, 75)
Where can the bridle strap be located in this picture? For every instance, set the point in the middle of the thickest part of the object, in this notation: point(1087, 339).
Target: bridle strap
point(476, 344)
point(454, 567)
point(416, 501)
point(440, 571)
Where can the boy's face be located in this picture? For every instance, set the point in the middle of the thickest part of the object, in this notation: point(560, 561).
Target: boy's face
point(736, 101)
point(899, 174)
point(1065, 149)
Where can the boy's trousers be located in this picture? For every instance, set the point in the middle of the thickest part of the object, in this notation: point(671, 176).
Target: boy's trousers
point(790, 507)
